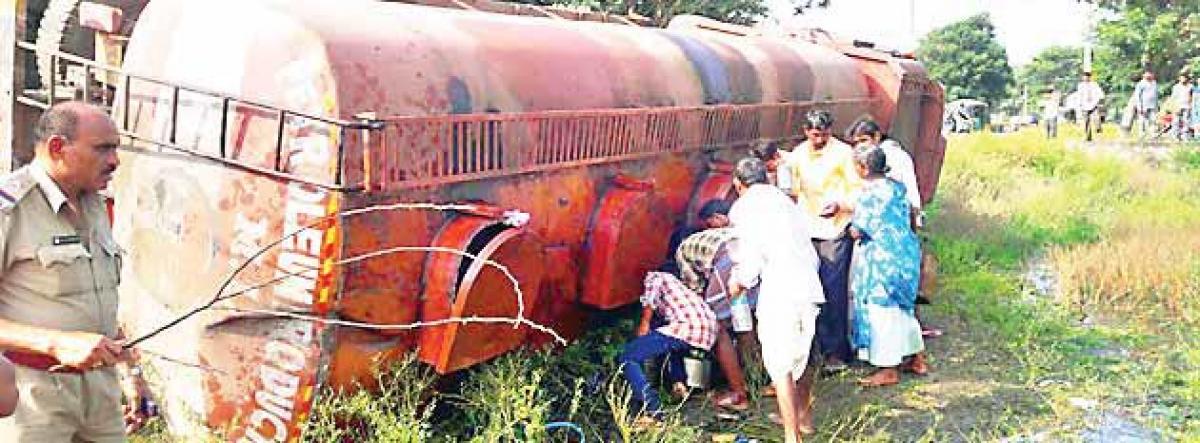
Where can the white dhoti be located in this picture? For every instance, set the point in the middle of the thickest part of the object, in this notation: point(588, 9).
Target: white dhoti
point(786, 334)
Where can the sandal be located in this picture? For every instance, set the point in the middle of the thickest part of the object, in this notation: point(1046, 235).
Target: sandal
point(916, 365)
point(733, 401)
point(767, 391)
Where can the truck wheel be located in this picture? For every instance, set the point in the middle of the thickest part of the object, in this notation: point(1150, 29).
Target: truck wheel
point(51, 32)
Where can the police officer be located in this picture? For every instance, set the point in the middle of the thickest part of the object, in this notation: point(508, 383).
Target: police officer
point(59, 269)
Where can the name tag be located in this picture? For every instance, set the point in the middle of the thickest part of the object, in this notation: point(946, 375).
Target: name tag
point(60, 240)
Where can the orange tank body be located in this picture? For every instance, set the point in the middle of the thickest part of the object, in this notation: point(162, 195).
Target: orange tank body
point(606, 136)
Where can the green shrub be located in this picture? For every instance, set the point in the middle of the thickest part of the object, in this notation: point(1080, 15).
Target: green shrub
point(398, 411)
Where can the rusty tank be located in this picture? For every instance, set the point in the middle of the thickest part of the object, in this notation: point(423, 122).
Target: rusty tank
point(279, 158)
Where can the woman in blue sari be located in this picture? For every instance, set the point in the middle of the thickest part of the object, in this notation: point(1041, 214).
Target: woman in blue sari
point(884, 274)
point(1195, 117)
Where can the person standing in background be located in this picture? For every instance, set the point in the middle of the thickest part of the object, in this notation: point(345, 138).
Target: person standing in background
point(824, 184)
point(1195, 107)
point(1050, 112)
point(1090, 96)
point(1181, 106)
point(1145, 101)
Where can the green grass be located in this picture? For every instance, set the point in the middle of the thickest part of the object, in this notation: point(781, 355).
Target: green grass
point(1006, 199)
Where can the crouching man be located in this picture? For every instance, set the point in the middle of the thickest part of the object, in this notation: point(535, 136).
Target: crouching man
point(690, 323)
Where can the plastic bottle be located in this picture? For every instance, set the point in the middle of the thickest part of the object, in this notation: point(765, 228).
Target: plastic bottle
point(741, 316)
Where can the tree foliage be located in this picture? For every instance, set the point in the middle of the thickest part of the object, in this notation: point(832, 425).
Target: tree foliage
point(966, 57)
point(1145, 5)
point(1161, 36)
point(742, 12)
point(1057, 66)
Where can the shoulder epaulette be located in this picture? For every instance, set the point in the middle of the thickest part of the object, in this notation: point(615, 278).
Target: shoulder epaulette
point(14, 186)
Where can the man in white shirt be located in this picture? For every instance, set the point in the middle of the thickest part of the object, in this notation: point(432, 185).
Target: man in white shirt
point(1090, 96)
point(1145, 102)
point(1049, 113)
point(775, 253)
point(824, 183)
point(902, 169)
point(1181, 105)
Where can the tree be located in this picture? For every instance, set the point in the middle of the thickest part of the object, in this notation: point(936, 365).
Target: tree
point(966, 57)
point(804, 5)
point(741, 12)
point(1057, 66)
point(1162, 39)
point(1154, 6)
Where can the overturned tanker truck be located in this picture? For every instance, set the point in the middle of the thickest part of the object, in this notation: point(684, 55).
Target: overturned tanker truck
point(279, 159)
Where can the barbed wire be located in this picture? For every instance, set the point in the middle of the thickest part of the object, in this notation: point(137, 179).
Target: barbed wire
point(164, 357)
point(217, 297)
point(516, 322)
point(488, 262)
point(221, 296)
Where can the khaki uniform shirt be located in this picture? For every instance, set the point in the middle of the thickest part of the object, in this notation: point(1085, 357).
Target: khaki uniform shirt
point(59, 272)
point(56, 275)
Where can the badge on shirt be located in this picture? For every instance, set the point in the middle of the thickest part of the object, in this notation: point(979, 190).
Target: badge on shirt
point(60, 240)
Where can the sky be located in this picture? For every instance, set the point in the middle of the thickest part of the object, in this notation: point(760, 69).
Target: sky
point(1024, 27)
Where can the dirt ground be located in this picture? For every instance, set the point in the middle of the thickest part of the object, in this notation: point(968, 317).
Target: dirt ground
point(965, 398)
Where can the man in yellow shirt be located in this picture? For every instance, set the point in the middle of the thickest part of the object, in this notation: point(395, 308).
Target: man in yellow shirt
point(824, 183)
point(58, 285)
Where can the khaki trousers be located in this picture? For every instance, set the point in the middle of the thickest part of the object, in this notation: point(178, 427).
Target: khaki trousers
point(58, 407)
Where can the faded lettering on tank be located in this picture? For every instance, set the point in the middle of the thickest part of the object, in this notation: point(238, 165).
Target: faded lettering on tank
point(287, 359)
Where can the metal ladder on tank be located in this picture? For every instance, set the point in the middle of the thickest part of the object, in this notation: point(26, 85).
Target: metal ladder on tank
point(60, 89)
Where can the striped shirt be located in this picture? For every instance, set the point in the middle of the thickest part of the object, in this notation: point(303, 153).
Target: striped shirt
point(696, 255)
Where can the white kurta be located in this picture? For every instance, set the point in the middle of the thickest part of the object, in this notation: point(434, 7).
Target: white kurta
point(902, 170)
point(775, 252)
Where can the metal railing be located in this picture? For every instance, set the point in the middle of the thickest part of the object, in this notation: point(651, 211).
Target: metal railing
point(122, 110)
point(426, 151)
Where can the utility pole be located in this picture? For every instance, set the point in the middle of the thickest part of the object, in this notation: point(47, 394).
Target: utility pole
point(912, 19)
point(1089, 36)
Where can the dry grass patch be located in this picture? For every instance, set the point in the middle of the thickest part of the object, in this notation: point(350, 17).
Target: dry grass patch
point(1138, 275)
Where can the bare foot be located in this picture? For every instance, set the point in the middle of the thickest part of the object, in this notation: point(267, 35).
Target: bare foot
point(731, 400)
point(680, 391)
point(645, 423)
point(805, 424)
point(882, 377)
